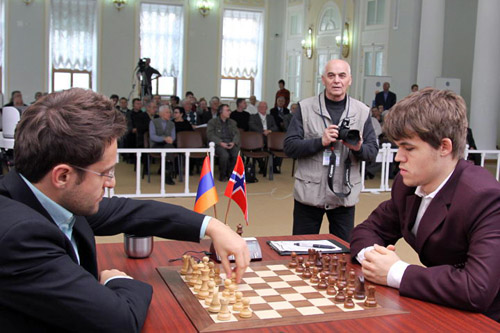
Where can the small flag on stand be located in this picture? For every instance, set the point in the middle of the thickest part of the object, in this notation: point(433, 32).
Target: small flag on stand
point(206, 195)
point(236, 187)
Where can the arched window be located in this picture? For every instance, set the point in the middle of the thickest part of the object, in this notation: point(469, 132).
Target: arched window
point(330, 21)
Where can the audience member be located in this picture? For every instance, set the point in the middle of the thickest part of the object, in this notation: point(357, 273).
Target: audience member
point(181, 124)
point(114, 98)
point(225, 134)
point(282, 92)
point(414, 87)
point(157, 100)
point(212, 110)
point(16, 99)
point(162, 135)
point(202, 107)
point(174, 101)
point(252, 106)
point(240, 115)
point(38, 95)
point(262, 123)
point(386, 98)
point(279, 113)
point(191, 114)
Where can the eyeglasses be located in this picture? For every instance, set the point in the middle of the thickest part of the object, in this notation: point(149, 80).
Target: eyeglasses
point(110, 174)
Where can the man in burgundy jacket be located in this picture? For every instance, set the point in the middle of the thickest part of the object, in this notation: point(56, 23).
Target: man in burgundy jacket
point(446, 208)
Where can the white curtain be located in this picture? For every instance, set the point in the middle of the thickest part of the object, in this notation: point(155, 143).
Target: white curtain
point(72, 34)
point(242, 43)
point(162, 37)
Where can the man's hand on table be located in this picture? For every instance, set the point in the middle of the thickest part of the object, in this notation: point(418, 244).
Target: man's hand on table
point(378, 262)
point(227, 242)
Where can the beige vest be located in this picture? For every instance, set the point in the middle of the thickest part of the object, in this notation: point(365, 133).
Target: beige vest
point(311, 176)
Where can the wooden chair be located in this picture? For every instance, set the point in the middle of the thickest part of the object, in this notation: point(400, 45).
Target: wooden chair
point(189, 139)
point(203, 132)
point(275, 142)
point(252, 146)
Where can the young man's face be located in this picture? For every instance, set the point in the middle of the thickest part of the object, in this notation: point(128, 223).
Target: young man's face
point(420, 163)
point(137, 105)
point(123, 103)
point(225, 113)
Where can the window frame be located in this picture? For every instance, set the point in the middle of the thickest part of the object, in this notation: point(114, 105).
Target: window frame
point(252, 86)
point(72, 72)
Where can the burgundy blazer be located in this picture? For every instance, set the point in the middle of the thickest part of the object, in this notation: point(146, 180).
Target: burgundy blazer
point(458, 240)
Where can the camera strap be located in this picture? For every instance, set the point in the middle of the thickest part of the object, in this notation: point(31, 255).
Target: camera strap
point(333, 160)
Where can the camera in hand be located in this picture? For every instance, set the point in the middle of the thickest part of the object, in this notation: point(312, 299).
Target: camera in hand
point(142, 64)
point(348, 135)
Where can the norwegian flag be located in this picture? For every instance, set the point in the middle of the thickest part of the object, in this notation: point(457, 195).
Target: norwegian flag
point(236, 188)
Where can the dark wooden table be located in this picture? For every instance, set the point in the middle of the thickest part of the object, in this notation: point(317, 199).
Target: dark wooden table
point(166, 315)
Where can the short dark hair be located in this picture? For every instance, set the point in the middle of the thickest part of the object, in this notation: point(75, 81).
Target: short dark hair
point(181, 110)
point(114, 96)
point(73, 126)
point(282, 81)
point(414, 86)
point(239, 101)
point(135, 100)
point(219, 110)
point(177, 99)
point(12, 95)
point(125, 98)
point(189, 93)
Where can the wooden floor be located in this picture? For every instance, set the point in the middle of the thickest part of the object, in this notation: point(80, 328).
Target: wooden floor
point(270, 204)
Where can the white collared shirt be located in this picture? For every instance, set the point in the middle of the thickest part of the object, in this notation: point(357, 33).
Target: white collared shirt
point(397, 270)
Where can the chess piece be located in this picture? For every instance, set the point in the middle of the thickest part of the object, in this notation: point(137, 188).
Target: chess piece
point(293, 263)
point(232, 292)
point(371, 301)
point(224, 313)
point(246, 312)
point(326, 263)
point(199, 282)
point(340, 297)
point(189, 273)
point(238, 306)
point(322, 281)
point(351, 281)
point(310, 255)
point(300, 265)
point(359, 293)
point(217, 277)
point(227, 292)
point(215, 304)
point(348, 303)
point(330, 290)
point(233, 277)
point(239, 230)
point(203, 292)
point(317, 260)
point(205, 261)
point(211, 266)
point(211, 288)
point(314, 277)
point(185, 264)
point(194, 274)
point(307, 271)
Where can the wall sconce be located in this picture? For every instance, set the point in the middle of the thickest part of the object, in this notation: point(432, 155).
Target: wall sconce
point(119, 4)
point(204, 7)
point(345, 41)
point(307, 43)
point(28, 2)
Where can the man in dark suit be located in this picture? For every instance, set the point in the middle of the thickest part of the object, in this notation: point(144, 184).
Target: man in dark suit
point(446, 208)
point(279, 113)
point(52, 205)
point(386, 98)
point(262, 123)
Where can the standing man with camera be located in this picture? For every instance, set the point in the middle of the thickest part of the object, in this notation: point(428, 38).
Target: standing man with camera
point(330, 134)
point(147, 73)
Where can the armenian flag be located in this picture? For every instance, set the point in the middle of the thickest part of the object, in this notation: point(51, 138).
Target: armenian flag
point(206, 196)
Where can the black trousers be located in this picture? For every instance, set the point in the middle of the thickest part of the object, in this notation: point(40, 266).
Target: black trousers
point(307, 220)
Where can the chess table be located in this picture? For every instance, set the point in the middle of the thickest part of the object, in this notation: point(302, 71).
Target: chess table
point(170, 312)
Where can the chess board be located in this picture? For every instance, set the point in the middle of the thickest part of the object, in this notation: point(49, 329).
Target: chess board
point(278, 296)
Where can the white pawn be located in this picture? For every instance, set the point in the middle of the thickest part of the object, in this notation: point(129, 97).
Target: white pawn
point(227, 292)
point(224, 314)
point(238, 306)
point(246, 312)
point(215, 304)
point(232, 296)
point(211, 287)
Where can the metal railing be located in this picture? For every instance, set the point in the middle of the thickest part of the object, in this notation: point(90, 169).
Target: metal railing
point(163, 153)
point(386, 156)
